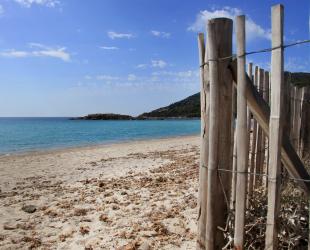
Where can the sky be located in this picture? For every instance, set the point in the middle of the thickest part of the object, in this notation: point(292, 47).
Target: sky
point(75, 57)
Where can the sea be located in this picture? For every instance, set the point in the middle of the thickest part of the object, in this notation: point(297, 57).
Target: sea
point(20, 135)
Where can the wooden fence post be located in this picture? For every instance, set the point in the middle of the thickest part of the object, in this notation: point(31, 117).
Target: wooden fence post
point(242, 136)
point(265, 139)
point(296, 124)
point(234, 175)
point(287, 101)
point(298, 121)
point(292, 109)
point(259, 137)
point(305, 123)
point(254, 148)
point(251, 166)
point(219, 45)
point(204, 151)
point(275, 127)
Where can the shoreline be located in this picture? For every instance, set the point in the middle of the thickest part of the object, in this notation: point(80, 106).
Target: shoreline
point(88, 147)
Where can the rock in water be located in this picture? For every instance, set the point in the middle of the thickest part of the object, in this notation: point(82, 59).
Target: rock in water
point(29, 209)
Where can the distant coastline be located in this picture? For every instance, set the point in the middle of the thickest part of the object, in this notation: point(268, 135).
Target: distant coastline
point(186, 109)
point(118, 117)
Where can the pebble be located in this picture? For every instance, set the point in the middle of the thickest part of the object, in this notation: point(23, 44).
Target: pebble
point(29, 209)
point(144, 246)
point(8, 226)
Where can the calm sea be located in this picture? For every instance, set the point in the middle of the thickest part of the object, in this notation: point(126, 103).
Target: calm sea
point(33, 134)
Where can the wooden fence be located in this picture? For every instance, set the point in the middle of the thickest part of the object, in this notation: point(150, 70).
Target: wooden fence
point(271, 131)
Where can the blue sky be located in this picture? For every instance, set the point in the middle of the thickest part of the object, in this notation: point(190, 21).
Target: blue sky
point(74, 57)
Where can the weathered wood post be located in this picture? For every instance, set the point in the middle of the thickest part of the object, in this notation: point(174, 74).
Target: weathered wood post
point(234, 175)
point(292, 94)
point(253, 147)
point(242, 136)
point(275, 126)
point(265, 139)
point(305, 123)
point(259, 137)
point(219, 46)
point(204, 151)
point(251, 166)
point(234, 150)
point(296, 123)
point(287, 104)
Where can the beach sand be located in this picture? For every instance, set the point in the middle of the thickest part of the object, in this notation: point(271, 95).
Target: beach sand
point(133, 195)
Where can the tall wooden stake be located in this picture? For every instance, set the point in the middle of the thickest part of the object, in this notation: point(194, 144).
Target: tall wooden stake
point(234, 175)
point(251, 166)
point(305, 123)
point(203, 172)
point(219, 45)
point(254, 134)
point(259, 140)
point(275, 127)
point(234, 150)
point(265, 138)
point(242, 136)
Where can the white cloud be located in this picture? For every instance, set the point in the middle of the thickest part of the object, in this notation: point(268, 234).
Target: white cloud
point(106, 77)
point(47, 3)
point(160, 34)
point(141, 66)
point(56, 53)
point(153, 64)
point(132, 77)
point(109, 47)
point(253, 30)
point(158, 64)
point(114, 35)
point(14, 53)
point(186, 74)
point(41, 51)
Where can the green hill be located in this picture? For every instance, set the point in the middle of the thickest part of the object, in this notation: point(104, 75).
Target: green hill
point(186, 108)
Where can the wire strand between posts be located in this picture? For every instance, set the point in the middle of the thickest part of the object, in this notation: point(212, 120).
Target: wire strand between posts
point(256, 52)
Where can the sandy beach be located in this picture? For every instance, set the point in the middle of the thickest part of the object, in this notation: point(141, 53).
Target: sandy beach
point(133, 195)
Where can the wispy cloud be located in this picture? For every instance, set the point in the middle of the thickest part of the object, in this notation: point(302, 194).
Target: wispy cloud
point(109, 47)
point(295, 64)
point(106, 78)
point(164, 80)
point(131, 77)
point(47, 3)
point(1, 10)
point(158, 63)
point(253, 30)
point(115, 35)
point(39, 50)
point(160, 34)
point(153, 64)
point(142, 66)
point(14, 53)
point(185, 74)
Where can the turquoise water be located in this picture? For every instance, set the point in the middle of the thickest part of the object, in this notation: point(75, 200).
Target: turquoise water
point(32, 134)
